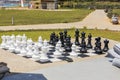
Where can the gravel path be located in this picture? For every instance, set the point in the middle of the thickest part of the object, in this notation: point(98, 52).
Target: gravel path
point(96, 19)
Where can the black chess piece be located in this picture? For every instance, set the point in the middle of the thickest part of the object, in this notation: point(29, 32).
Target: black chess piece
point(51, 38)
point(83, 48)
point(62, 39)
point(89, 45)
point(57, 38)
point(82, 38)
point(68, 44)
point(65, 35)
point(77, 37)
point(96, 41)
point(106, 48)
point(97, 48)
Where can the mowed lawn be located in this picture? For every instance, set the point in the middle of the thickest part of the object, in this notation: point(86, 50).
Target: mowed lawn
point(116, 11)
point(34, 34)
point(26, 17)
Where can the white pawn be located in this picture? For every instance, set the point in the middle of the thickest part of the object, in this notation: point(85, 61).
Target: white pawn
point(36, 55)
point(12, 47)
point(57, 52)
point(24, 40)
point(73, 53)
point(29, 41)
point(23, 51)
point(43, 55)
point(30, 51)
point(40, 42)
point(18, 48)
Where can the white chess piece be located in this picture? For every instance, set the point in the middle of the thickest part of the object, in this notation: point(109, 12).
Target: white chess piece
point(24, 41)
point(18, 47)
point(30, 51)
point(43, 55)
point(12, 46)
point(3, 44)
point(8, 42)
point(73, 53)
point(57, 52)
point(36, 55)
point(23, 51)
point(40, 42)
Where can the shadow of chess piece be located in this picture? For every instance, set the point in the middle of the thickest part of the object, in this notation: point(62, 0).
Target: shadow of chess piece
point(62, 38)
point(83, 48)
point(89, 45)
point(106, 48)
point(68, 44)
point(77, 37)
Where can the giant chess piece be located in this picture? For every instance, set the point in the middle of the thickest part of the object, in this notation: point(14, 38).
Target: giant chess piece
point(12, 46)
point(52, 39)
point(40, 42)
point(56, 38)
point(36, 55)
point(82, 38)
point(89, 45)
point(43, 55)
point(57, 52)
point(3, 44)
point(96, 41)
point(83, 48)
point(73, 53)
point(24, 40)
point(77, 37)
point(8, 42)
point(18, 44)
point(106, 48)
point(29, 48)
point(65, 34)
point(62, 38)
point(68, 44)
point(98, 49)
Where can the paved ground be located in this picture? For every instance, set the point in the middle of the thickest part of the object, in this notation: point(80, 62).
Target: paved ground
point(96, 19)
point(94, 69)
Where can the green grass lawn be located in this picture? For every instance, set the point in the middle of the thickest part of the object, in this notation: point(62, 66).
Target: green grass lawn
point(34, 34)
point(26, 17)
point(116, 11)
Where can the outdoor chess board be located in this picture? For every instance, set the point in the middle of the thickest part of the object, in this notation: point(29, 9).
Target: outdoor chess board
point(59, 48)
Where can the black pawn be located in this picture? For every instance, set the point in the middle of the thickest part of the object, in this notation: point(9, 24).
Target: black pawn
point(68, 44)
point(89, 45)
point(83, 48)
point(77, 37)
point(106, 48)
point(62, 38)
point(98, 49)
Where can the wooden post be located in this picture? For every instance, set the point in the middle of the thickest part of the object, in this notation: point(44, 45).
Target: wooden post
point(12, 20)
